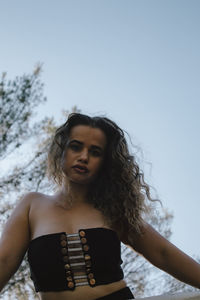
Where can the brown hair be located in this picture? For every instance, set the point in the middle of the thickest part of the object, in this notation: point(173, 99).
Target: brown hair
point(119, 191)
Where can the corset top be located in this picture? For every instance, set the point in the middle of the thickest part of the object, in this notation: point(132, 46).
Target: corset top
point(62, 261)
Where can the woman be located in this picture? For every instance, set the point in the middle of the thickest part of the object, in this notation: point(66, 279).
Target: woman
point(73, 237)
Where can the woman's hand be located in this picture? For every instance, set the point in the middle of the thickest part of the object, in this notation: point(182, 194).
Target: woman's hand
point(164, 255)
point(14, 240)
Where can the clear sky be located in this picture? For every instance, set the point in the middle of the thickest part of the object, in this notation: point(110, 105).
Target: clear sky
point(137, 62)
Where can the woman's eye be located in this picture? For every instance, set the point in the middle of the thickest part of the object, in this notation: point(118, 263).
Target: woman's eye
point(78, 148)
point(74, 147)
point(96, 153)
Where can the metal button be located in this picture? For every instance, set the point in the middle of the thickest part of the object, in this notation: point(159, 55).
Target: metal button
point(69, 278)
point(82, 233)
point(83, 240)
point(88, 263)
point(70, 284)
point(88, 270)
point(67, 266)
point(63, 243)
point(85, 247)
point(68, 273)
point(63, 237)
point(64, 250)
point(90, 275)
point(65, 258)
point(87, 257)
point(92, 281)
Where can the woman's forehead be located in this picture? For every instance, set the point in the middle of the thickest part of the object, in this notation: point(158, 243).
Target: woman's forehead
point(85, 133)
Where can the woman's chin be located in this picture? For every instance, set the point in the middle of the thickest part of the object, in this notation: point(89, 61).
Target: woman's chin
point(80, 181)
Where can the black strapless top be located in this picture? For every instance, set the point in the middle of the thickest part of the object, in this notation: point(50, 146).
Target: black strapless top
point(61, 261)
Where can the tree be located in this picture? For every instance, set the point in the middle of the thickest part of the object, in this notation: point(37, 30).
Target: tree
point(18, 101)
point(144, 279)
point(19, 135)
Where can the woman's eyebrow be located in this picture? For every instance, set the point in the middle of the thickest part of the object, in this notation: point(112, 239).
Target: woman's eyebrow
point(76, 141)
point(81, 143)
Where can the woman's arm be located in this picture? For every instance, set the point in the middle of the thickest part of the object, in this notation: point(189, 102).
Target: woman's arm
point(14, 240)
point(164, 255)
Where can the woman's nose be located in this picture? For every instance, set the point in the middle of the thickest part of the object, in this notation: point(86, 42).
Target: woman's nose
point(84, 155)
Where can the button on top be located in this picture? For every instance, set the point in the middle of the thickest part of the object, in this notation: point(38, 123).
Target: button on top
point(82, 233)
point(63, 237)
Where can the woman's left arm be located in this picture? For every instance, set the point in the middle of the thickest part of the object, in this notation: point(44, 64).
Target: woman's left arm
point(164, 255)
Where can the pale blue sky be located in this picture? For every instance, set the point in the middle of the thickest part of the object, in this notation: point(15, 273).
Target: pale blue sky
point(138, 62)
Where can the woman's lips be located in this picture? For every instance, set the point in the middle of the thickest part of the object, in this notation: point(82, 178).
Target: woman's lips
point(80, 170)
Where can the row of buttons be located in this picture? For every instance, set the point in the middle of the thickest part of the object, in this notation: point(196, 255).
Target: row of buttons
point(88, 264)
point(64, 251)
point(87, 257)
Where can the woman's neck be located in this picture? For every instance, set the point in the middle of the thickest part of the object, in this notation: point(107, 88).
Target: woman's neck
point(73, 194)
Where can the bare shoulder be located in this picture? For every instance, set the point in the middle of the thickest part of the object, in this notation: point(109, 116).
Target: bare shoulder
point(39, 203)
point(17, 225)
point(21, 212)
point(32, 198)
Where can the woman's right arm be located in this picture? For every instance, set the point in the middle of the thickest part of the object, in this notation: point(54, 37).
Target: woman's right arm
point(15, 239)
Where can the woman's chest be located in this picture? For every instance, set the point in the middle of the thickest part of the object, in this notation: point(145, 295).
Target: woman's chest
point(49, 218)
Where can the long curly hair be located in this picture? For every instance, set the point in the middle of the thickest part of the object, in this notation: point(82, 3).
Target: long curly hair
point(119, 191)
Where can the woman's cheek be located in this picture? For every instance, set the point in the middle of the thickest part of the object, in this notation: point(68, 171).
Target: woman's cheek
point(64, 165)
point(98, 168)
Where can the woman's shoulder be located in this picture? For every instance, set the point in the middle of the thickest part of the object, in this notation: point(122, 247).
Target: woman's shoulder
point(31, 198)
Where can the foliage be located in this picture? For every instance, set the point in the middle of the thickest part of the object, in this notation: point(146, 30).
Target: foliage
point(18, 101)
point(143, 278)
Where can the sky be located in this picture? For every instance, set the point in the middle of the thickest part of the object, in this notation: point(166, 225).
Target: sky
point(136, 62)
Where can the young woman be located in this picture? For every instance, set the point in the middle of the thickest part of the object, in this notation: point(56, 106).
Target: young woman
point(73, 237)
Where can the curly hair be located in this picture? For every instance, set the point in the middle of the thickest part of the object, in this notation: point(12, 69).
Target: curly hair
point(119, 191)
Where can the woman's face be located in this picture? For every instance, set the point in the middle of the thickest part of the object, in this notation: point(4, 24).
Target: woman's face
point(84, 154)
